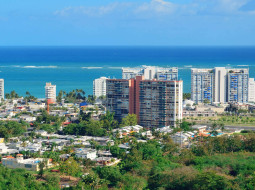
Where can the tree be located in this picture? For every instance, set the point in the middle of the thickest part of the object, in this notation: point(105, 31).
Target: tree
point(185, 126)
point(70, 167)
point(53, 180)
point(60, 96)
point(222, 127)
point(210, 181)
point(129, 120)
point(85, 116)
point(102, 97)
point(112, 174)
point(186, 96)
point(11, 129)
point(41, 169)
point(91, 99)
point(179, 178)
point(214, 129)
point(108, 121)
point(92, 180)
point(207, 101)
point(7, 96)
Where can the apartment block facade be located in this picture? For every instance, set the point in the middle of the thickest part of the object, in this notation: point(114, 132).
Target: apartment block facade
point(1, 89)
point(156, 103)
point(251, 90)
point(117, 95)
point(202, 83)
point(99, 87)
point(160, 103)
point(150, 72)
point(238, 85)
point(219, 85)
point(50, 92)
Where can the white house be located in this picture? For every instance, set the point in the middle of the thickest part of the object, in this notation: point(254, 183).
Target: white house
point(86, 153)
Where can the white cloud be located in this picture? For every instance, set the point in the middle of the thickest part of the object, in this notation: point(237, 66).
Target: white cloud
point(91, 11)
point(231, 5)
point(157, 6)
point(219, 7)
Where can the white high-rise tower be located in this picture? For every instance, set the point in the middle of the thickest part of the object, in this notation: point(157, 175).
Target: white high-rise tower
point(50, 92)
point(1, 89)
point(99, 87)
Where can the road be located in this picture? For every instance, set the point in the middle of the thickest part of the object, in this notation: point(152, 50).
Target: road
point(239, 127)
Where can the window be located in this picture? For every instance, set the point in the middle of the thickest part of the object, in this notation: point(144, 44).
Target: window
point(28, 165)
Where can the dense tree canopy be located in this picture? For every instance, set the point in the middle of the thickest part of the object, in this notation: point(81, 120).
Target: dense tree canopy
point(12, 129)
point(129, 120)
point(91, 128)
point(20, 179)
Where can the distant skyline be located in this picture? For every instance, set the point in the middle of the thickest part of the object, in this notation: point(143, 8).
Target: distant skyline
point(127, 22)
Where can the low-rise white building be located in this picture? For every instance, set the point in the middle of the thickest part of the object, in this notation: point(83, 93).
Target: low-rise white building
point(181, 138)
point(85, 153)
point(6, 150)
point(164, 130)
point(127, 130)
point(27, 118)
point(31, 164)
point(199, 128)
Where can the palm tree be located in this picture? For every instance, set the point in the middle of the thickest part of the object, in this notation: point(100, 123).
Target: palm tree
point(214, 129)
point(108, 145)
point(53, 146)
point(41, 169)
point(222, 127)
point(177, 123)
point(7, 96)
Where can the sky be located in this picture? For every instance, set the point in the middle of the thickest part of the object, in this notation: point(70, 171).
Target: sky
point(127, 22)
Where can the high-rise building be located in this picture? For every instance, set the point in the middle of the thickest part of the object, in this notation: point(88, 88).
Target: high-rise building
point(238, 85)
point(251, 90)
point(99, 87)
point(155, 102)
point(202, 82)
point(128, 73)
point(118, 97)
point(219, 85)
point(1, 89)
point(150, 72)
point(50, 92)
point(160, 103)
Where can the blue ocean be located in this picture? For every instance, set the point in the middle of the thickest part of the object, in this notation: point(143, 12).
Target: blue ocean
point(29, 68)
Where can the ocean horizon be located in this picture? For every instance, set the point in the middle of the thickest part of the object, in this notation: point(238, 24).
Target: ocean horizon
point(28, 68)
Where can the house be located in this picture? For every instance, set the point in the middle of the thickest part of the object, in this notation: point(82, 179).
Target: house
point(147, 134)
point(102, 153)
point(86, 153)
point(124, 146)
point(164, 130)
point(41, 132)
point(6, 150)
point(64, 156)
point(31, 164)
point(27, 118)
point(180, 138)
point(199, 128)
point(36, 147)
point(107, 161)
point(128, 130)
